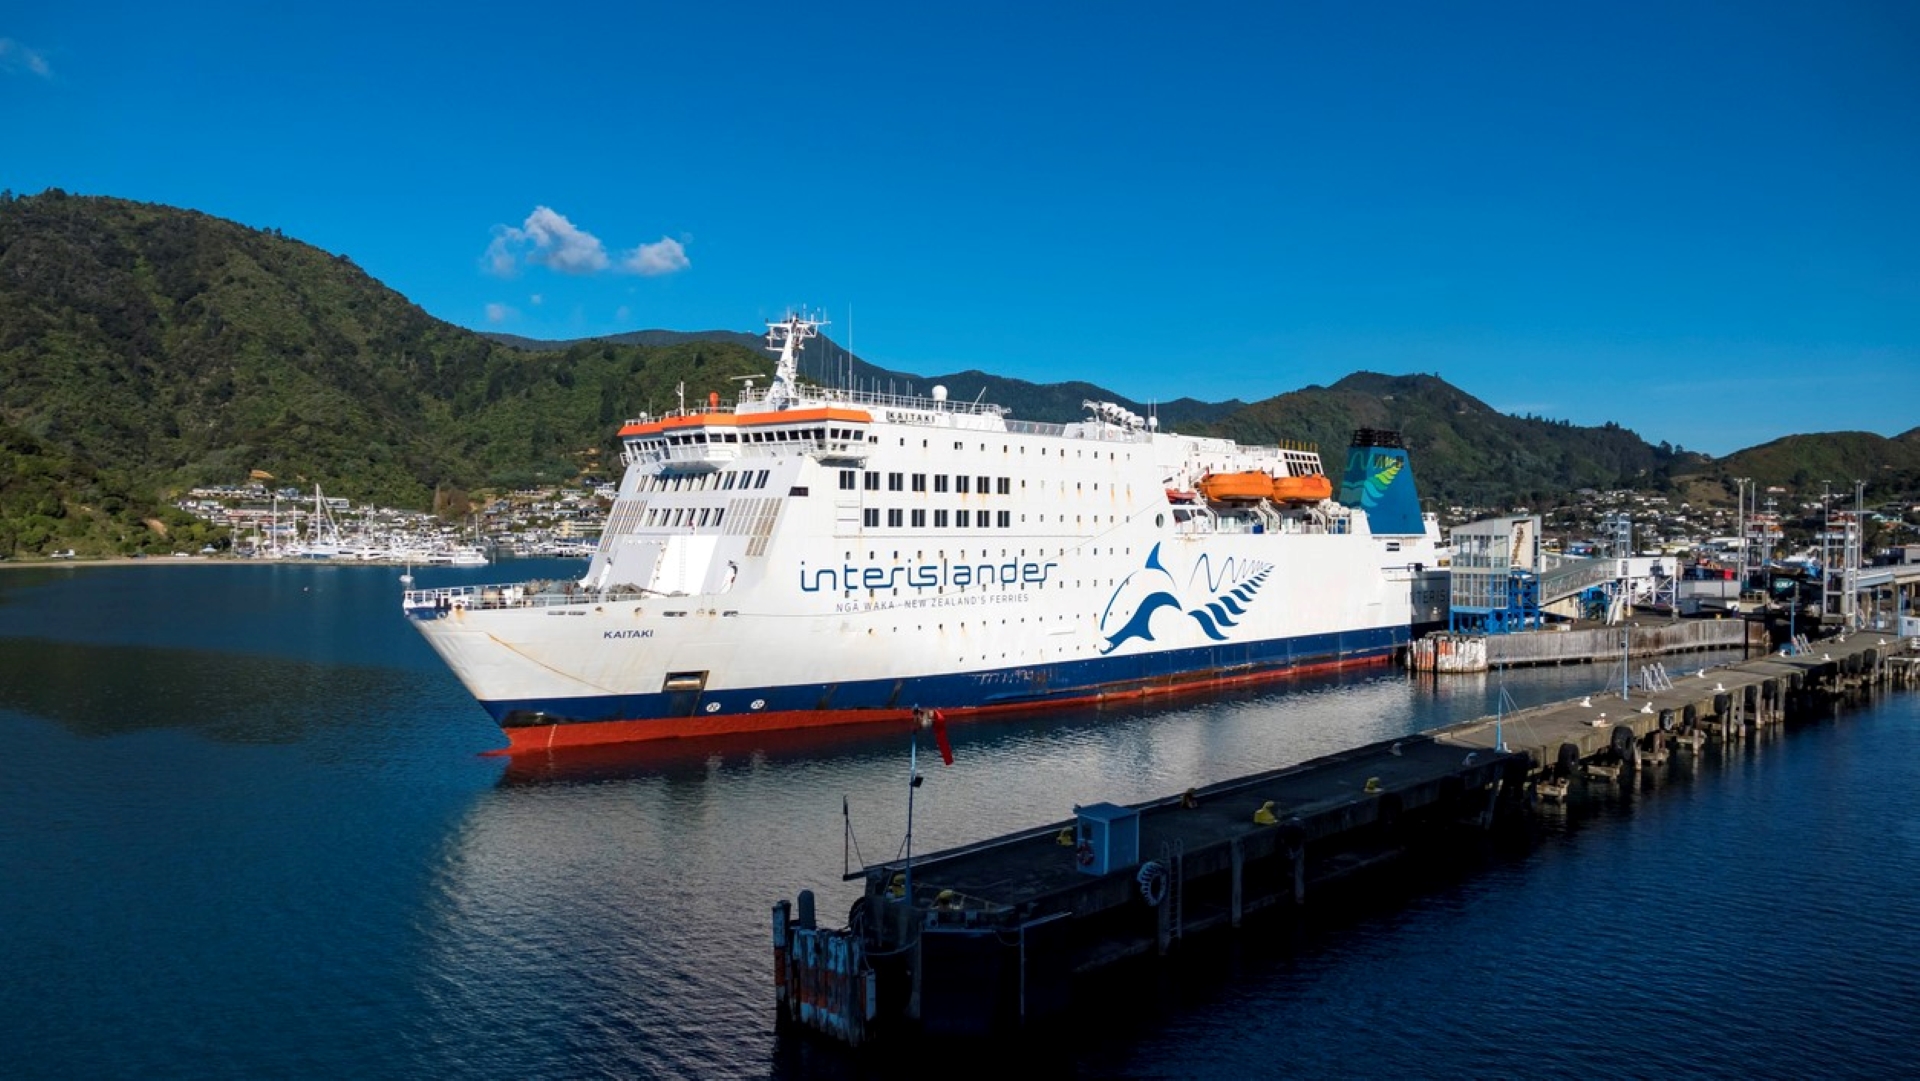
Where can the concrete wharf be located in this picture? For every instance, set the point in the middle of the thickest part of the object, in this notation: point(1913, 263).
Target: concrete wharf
point(991, 937)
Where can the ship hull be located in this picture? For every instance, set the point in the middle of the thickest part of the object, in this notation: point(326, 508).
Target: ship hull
point(812, 558)
point(536, 724)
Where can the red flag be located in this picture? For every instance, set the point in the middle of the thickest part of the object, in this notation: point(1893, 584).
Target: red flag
point(940, 737)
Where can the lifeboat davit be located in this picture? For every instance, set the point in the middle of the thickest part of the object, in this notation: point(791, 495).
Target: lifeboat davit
point(1221, 486)
point(1311, 488)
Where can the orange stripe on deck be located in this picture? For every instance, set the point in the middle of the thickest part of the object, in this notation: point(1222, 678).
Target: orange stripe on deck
point(746, 420)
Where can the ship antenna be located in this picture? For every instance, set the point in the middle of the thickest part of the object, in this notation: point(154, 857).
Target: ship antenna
point(787, 337)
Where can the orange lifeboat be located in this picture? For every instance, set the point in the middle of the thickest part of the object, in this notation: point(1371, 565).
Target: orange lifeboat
point(1308, 489)
point(1222, 486)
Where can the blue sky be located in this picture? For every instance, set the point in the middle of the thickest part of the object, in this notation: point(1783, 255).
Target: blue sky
point(1697, 220)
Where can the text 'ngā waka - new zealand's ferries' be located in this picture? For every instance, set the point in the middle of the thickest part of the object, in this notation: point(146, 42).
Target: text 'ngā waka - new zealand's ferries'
point(813, 556)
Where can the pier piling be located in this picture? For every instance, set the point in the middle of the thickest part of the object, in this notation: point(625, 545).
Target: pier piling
point(990, 937)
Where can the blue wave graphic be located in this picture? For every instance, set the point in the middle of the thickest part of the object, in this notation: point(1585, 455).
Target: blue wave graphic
point(1137, 626)
point(1214, 617)
point(1201, 617)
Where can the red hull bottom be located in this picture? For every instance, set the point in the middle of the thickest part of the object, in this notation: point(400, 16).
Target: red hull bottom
point(547, 737)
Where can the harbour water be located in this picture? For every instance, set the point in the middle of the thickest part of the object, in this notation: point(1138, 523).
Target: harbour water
point(249, 828)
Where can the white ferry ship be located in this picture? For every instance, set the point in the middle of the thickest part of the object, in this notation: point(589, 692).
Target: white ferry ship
point(812, 556)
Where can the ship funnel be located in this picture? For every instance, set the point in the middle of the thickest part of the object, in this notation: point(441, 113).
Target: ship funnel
point(1379, 480)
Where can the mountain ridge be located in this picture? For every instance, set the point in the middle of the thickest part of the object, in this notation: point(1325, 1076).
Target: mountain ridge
point(145, 349)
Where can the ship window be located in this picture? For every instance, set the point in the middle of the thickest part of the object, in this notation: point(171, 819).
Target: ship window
point(719, 513)
point(919, 482)
point(706, 513)
point(846, 480)
point(962, 518)
point(956, 445)
point(896, 481)
point(919, 519)
point(871, 518)
point(962, 484)
point(986, 485)
point(873, 482)
point(940, 482)
point(798, 489)
point(1006, 486)
point(939, 519)
point(1006, 520)
point(760, 480)
point(893, 517)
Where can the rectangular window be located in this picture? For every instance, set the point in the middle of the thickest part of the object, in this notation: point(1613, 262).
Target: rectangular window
point(919, 519)
point(919, 482)
point(986, 485)
point(896, 481)
point(872, 518)
point(939, 482)
point(1006, 486)
point(846, 480)
point(960, 484)
point(962, 519)
point(893, 517)
point(873, 482)
point(1006, 519)
point(939, 519)
point(798, 489)
point(761, 482)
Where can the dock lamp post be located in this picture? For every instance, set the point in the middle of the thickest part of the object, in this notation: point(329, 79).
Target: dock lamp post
point(1793, 614)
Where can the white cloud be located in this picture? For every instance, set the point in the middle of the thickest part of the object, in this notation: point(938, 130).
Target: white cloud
point(500, 313)
point(17, 57)
point(652, 260)
point(548, 239)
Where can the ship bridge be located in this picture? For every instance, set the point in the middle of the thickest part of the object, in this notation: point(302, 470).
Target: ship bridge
point(706, 441)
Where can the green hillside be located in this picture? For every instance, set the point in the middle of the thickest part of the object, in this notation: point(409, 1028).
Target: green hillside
point(172, 349)
point(146, 349)
point(828, 363)
point(1463, 449)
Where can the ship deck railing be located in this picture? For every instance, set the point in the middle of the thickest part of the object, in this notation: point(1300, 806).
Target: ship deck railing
point(541, 594)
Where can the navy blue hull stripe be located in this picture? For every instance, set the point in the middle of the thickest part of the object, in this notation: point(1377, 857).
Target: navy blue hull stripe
point(1036, 684)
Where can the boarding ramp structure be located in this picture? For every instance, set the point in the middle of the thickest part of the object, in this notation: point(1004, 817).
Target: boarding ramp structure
point(1496, 576)
point(1503, 582)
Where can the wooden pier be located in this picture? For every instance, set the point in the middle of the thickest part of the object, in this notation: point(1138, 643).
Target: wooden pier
point(1445, 652)
point(991, 937)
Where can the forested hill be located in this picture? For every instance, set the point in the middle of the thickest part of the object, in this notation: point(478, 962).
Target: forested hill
point(1463, 449)
point(152, 349)
point(145, 349)
point(828, 363)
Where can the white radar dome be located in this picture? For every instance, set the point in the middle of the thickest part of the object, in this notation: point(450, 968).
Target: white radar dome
point(939, 393)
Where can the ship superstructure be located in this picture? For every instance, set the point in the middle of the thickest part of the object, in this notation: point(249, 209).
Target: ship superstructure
point(814, 556)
